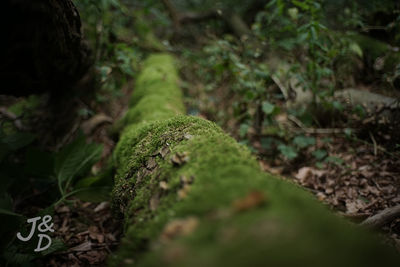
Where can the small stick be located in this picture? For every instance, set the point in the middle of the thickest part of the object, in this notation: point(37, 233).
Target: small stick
point(284, 91)
point(382, 218)
point(316, 130)
point(374, 142)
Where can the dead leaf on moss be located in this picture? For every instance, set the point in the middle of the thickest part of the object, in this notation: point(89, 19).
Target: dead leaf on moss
point(178, 228)
point(252, 200)
point(151, 163)
point(183, 192)
point(154, 201)
point(186, 180)
point(188, 136)
point(164, 151)
point(180, 158)
point(164, 185)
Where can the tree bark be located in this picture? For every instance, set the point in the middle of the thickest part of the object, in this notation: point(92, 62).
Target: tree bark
point(42, 49)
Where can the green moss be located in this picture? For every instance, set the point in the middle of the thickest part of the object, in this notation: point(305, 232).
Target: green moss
point(373, 49)
point(204, 172)
point(156, 94)
point(291, 223)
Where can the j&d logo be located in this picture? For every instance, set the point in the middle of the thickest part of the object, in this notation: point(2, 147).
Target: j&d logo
point(43, 227)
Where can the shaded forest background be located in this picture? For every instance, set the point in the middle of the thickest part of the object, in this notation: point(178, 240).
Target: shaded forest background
point(311, 87)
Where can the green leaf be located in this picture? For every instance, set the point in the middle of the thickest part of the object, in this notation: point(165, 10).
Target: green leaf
point(268, 108)
point(319, 154)
point(16, 258)
point(288, 151)
point(302, 5)
point(267, 142)
point(94, 193)
point(319, 165)
point(6, 206)
point(334, 160)
point(303, 141)
point(356, 49)
point(244, 127)
point(75, 159)
point(337, 105)
point(293, 13)
point(13, 142)
point(56, 245)
point(348, 132)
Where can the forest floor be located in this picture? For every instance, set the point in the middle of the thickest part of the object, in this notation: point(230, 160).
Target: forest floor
point(362, 181)
point(365, 181)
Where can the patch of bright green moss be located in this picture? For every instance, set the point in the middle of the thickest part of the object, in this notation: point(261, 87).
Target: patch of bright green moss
point(156, 94)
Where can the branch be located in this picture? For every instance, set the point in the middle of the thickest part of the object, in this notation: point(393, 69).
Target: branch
point(382, 217)
point(12, 117)
point(234, 21)
point(173, 13)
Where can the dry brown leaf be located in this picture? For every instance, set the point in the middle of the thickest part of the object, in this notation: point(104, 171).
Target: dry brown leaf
point(82, 247)
point(164, 151)
point(164, 185)
point(91, 124)
point(252, 200)
point(180, 158)
point(182, 193)
point(188, 136)
point(154, 201)
point(151, 163)
point(303, 174)
point(186, 180)
point(179, 227)
point(102, 206)
point(62, 209)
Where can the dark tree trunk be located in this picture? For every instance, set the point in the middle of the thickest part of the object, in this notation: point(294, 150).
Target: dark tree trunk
point(42, 48)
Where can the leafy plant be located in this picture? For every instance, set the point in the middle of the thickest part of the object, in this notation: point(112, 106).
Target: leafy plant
point(28, 173)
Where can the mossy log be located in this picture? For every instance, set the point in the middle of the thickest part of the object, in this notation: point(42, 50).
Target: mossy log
point(192, 196)
point(377, 54)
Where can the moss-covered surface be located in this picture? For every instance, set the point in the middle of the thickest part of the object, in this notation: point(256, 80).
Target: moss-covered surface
point(157, 95)
point(374, 49)
point(192, 196)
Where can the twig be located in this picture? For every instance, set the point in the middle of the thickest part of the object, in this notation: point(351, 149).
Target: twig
point(173, 13)
point(374, 142)
point(12, 117)
point(280, 86)
point(377, 147)
point(317, 130)
point(382, 217)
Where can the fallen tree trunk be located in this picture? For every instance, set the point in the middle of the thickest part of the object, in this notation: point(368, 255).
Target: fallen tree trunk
point(192, 196)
